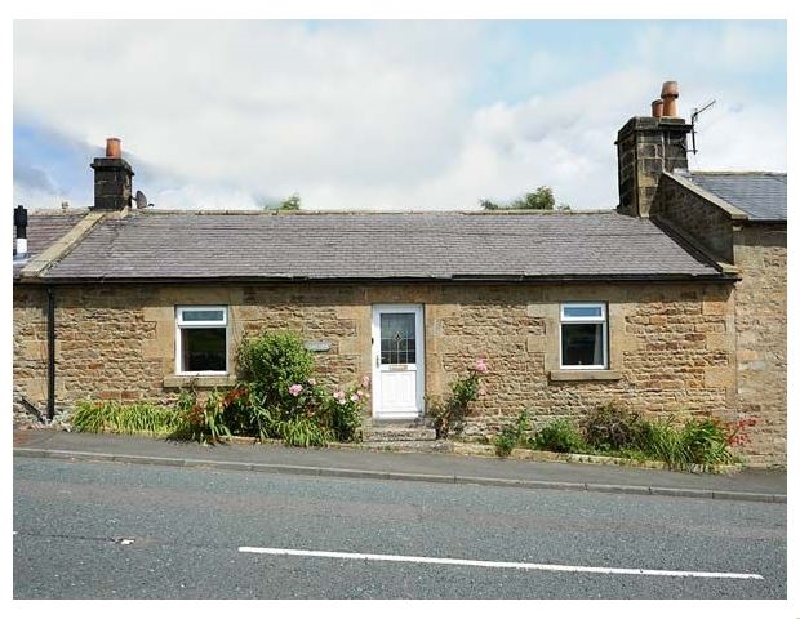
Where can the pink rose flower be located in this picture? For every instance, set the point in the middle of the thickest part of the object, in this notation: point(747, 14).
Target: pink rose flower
point(360, 393)
point(354, 398)
point(338, 395)
point(365, 381)
point(312, 381)
point(480, 366)
point(295, 390)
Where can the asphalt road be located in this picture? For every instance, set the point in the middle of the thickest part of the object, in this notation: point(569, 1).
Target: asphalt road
point(110, 531)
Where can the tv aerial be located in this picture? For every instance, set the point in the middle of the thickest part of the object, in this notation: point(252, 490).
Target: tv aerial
point(695, 113)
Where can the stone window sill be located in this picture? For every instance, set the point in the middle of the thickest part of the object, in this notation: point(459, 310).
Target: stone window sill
point(580, 375)
point(176, 381)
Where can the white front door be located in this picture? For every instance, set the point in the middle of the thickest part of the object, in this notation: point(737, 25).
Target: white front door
point(398, 361)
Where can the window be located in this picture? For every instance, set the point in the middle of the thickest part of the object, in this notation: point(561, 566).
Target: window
point(201, 340)
point(584, 336)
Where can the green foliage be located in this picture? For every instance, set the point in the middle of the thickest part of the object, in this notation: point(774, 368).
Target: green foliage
point(302, 432)
point(662, 440)
point(271, 363)
point(342, 412)
point(292, 203)
point(504, 444)
point(276, 399)
point(449, 414)
point(542, 199)
point(203, 423)
point(140, 418)
point(705, 442)
point(214, 418)
point(612, 430)
point(611, 427)
point(560, 436)
point(512, 435)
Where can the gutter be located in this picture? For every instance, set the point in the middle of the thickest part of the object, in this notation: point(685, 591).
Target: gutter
point(296, 279)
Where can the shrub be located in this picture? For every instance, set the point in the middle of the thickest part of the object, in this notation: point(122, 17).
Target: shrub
point(560, 436)
point(271, 364)
point(343, 414)
point(449, 414)
point(705, 442)
point(504, 444)
point(512, 435)
point(611, 428)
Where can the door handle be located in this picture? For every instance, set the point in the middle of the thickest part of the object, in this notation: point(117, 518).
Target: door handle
point(377, 361)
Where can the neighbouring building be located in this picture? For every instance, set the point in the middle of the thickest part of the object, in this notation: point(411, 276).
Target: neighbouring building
point(675, 302)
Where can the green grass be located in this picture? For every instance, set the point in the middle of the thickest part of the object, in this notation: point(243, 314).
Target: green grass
point(119, 418)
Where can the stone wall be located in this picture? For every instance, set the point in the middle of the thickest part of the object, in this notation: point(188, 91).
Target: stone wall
point(696, 219)
point(670, 351)
point(671, 345)
point(760, 256)
point(30, 352)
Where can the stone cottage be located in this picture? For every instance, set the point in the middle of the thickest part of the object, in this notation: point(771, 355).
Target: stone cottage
point(675, 302)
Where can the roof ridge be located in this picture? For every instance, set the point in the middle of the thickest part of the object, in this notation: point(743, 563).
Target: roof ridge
point(306, 212)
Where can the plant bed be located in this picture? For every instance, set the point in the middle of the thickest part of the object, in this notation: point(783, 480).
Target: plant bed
point(469, 448)
point(612, 434)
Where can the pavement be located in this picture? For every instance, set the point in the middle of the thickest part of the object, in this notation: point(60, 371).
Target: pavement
point(767, 486)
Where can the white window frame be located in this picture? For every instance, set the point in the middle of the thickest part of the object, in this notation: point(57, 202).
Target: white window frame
point(583, 320)
point(181, 324)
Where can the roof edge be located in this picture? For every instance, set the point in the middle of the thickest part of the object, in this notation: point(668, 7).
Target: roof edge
point(733, 212)
point(737, 172)
point(720, 275)
point(60, 248)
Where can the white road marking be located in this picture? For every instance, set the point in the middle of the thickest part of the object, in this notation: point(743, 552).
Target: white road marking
point(508, 564)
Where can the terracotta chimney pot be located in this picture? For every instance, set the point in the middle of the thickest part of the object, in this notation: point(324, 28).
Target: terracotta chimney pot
point(670, 94)
point(113, 148)
point(658, 108)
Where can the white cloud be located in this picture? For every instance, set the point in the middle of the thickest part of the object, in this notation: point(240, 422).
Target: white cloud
point(355, 115)
point(736, 47)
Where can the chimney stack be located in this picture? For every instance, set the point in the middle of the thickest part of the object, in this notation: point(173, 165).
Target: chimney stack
point(647, 146)
point(113, 179)
point(21, 224)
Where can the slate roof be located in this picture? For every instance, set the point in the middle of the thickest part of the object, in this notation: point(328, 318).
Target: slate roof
point(762, 195)
point(44, 229)
point(440, 245)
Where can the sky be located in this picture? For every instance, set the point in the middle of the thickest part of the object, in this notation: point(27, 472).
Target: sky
point(380, 114)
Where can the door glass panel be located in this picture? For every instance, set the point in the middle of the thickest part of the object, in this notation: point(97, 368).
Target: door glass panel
point(397, 338)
